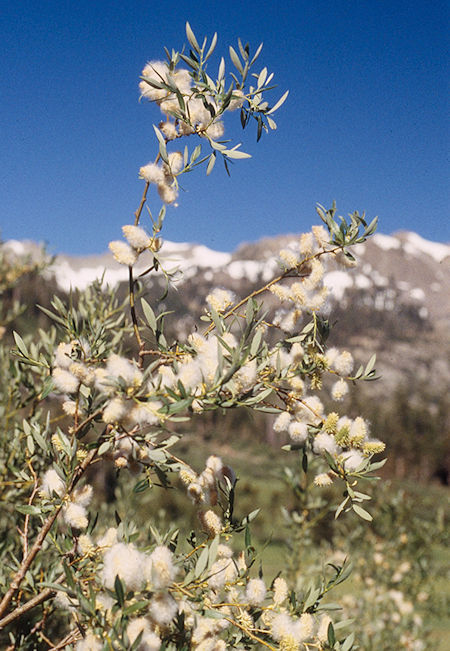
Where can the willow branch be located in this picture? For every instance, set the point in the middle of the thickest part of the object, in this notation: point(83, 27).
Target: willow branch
point(29, 558)
point(137, 214)
point(286, 274)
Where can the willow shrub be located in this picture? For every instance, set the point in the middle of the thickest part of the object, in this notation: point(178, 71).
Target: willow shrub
point(74, 403)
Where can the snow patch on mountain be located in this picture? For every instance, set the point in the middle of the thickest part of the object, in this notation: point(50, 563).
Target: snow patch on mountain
point(417, 244)
point(386, 242)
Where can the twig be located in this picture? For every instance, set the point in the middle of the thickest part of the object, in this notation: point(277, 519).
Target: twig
point(286, 274)
point(137, 214)
point(27, 561)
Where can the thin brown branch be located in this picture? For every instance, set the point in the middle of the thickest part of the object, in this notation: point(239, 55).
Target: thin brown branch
point(73, 636)
point(28, 605)
point(137, 214)
point(86, 421)
point(31, 603)
point(27, 561)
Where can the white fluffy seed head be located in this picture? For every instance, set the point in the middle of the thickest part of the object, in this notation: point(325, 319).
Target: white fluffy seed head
point(352, 460)
point(162, 568)
point(115, 410)
point(169, 130)
point(63, 355)
point(339, 390)
point(89, 643)
point(220, 299)
point(122, 367)
point(126, 562)
point(176, 162)
point(211, 523)
point(298, 431)
point(280, 591)
point(136, 236)
point(52, 483)
point(163, 608)
point(65, 381)
point(323, 479)
point(123, 252)
point(75, 515)
point(282, 422)
point(167, 193)
point(255, 592)
point(325, 443)
point(152, 173)
point(237, 101)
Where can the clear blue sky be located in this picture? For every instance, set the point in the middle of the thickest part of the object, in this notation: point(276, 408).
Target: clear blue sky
point(365, 121)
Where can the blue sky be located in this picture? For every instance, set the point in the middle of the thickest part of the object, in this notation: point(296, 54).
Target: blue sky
point(365, 121)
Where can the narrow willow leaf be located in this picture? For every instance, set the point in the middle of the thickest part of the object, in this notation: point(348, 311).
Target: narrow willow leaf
point(211, 163)
point(212, 47)
point(30, 444)
point(348, 642)
point(105, 447)
point(377, 465)
point(236, 154)
point(362, 512)
point(221, 74)
point(40, 440)
point(279, 103)
point(340, 508)
point(262, 77)
point(159, 135)
point(118, 589)
point(47, 387)
point(371, 364)
point(149, 315)
point(138, 605)
point(20, 344)
point(311, 598)
point(257, 53)
point(163, 152)
point(218, 146)
point(196, 153)
point(29, 509)
point(202, 562)
point(212, 555)
point(191, 38)
point(331, 635)
point(236, 61)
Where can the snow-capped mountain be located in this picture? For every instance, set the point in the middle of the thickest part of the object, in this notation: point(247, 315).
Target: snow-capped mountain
point(396, 270)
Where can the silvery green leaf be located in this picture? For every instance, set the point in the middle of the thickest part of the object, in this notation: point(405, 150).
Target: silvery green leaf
point(218, 146)
point(221, 69)
point(236, 61)
point(211, 163)
point(202, 562)
point(279, 103)
point(191, 38)
point(159, 135)
point(149, 315)
point(236, 154)
point(257, 53)
point(262, 77)
point(362, 512)
point(311, 598)
point(20, 344)
point(348, 642)
point(105, 447)
point(341, 508)
point(212, 46)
